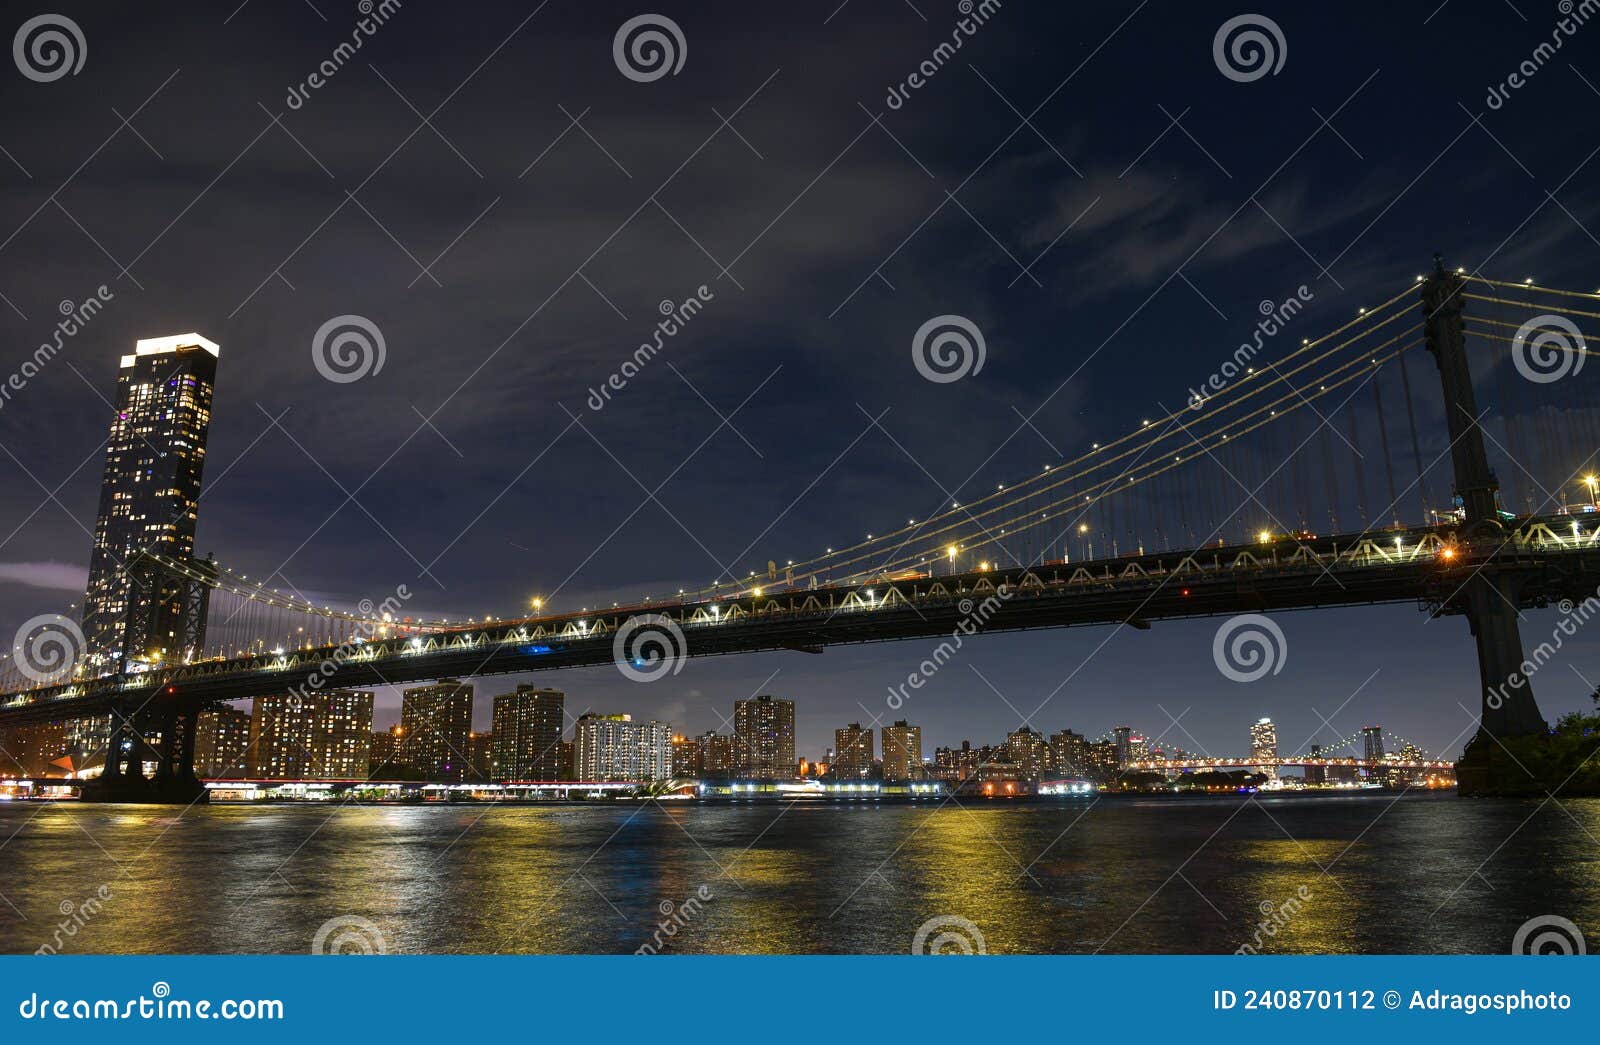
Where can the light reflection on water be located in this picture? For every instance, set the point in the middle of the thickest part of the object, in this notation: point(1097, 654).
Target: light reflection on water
point(1424, 873)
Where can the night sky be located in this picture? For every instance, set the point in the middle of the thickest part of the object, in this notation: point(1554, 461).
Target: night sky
point(513, 258)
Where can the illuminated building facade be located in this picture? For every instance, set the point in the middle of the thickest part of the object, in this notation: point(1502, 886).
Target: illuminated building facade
point(616, 748)
point(956, 763)
point(150, 490)
point(527, 734)
point(1069, 754)
point(1122, 736)
point(852, 751)
point(385, 753)
point(1027, 752)
point(324, 736)
point(902, 752)
point(683, 757)
point(715, 756)
point(435, 729)
point(763, 730)
point(222, 744)
point(1264, 745)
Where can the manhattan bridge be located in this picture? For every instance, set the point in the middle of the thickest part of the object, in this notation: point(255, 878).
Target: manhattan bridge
point(1300, 483)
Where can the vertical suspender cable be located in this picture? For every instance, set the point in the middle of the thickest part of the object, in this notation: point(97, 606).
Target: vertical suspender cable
point(1416, 447)
point(1383, 437)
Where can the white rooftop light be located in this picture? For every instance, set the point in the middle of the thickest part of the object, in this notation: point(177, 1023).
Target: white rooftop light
point(151, 346)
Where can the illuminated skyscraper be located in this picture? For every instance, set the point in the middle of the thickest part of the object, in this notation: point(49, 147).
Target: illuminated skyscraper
point(763, 731)
point(150, 490)
point(902, 752)
point(1264, 745)
point(435, 724)
point(1372, 736)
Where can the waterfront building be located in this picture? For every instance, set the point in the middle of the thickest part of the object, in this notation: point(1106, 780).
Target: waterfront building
point(1122, 736)
point(715, 756)
point(616, 748)
point(57, 749)
point(902, 752)
point(148, 493)
point(385, 753)
point(528, 724)
point(956, 763)
point(1264, 746)
point(1104, 761)
point(1316, 774)
point(1069, 754)
point(763, 729)
point(323, 736)
point(1027, 753)
point(222, 743)
point(480, 756)
point(435, 724)
point(683, 757)
point(854, 747)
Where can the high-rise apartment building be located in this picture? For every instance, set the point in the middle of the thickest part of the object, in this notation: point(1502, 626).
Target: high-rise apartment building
point(1028, 752)
point(1122, 736)
point(683, 757)
point(763, 731)
point(324, 736)
point(902, 752)
point(435, 728)
point(853, 751)
point(527, 734)
point(715, 756)
point(149, 494)
point(222, 744)
point(1069, 754)
point(1264, 745)
point(616, 748)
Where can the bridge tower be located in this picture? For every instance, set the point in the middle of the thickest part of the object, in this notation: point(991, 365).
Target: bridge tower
point(1490, 596)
